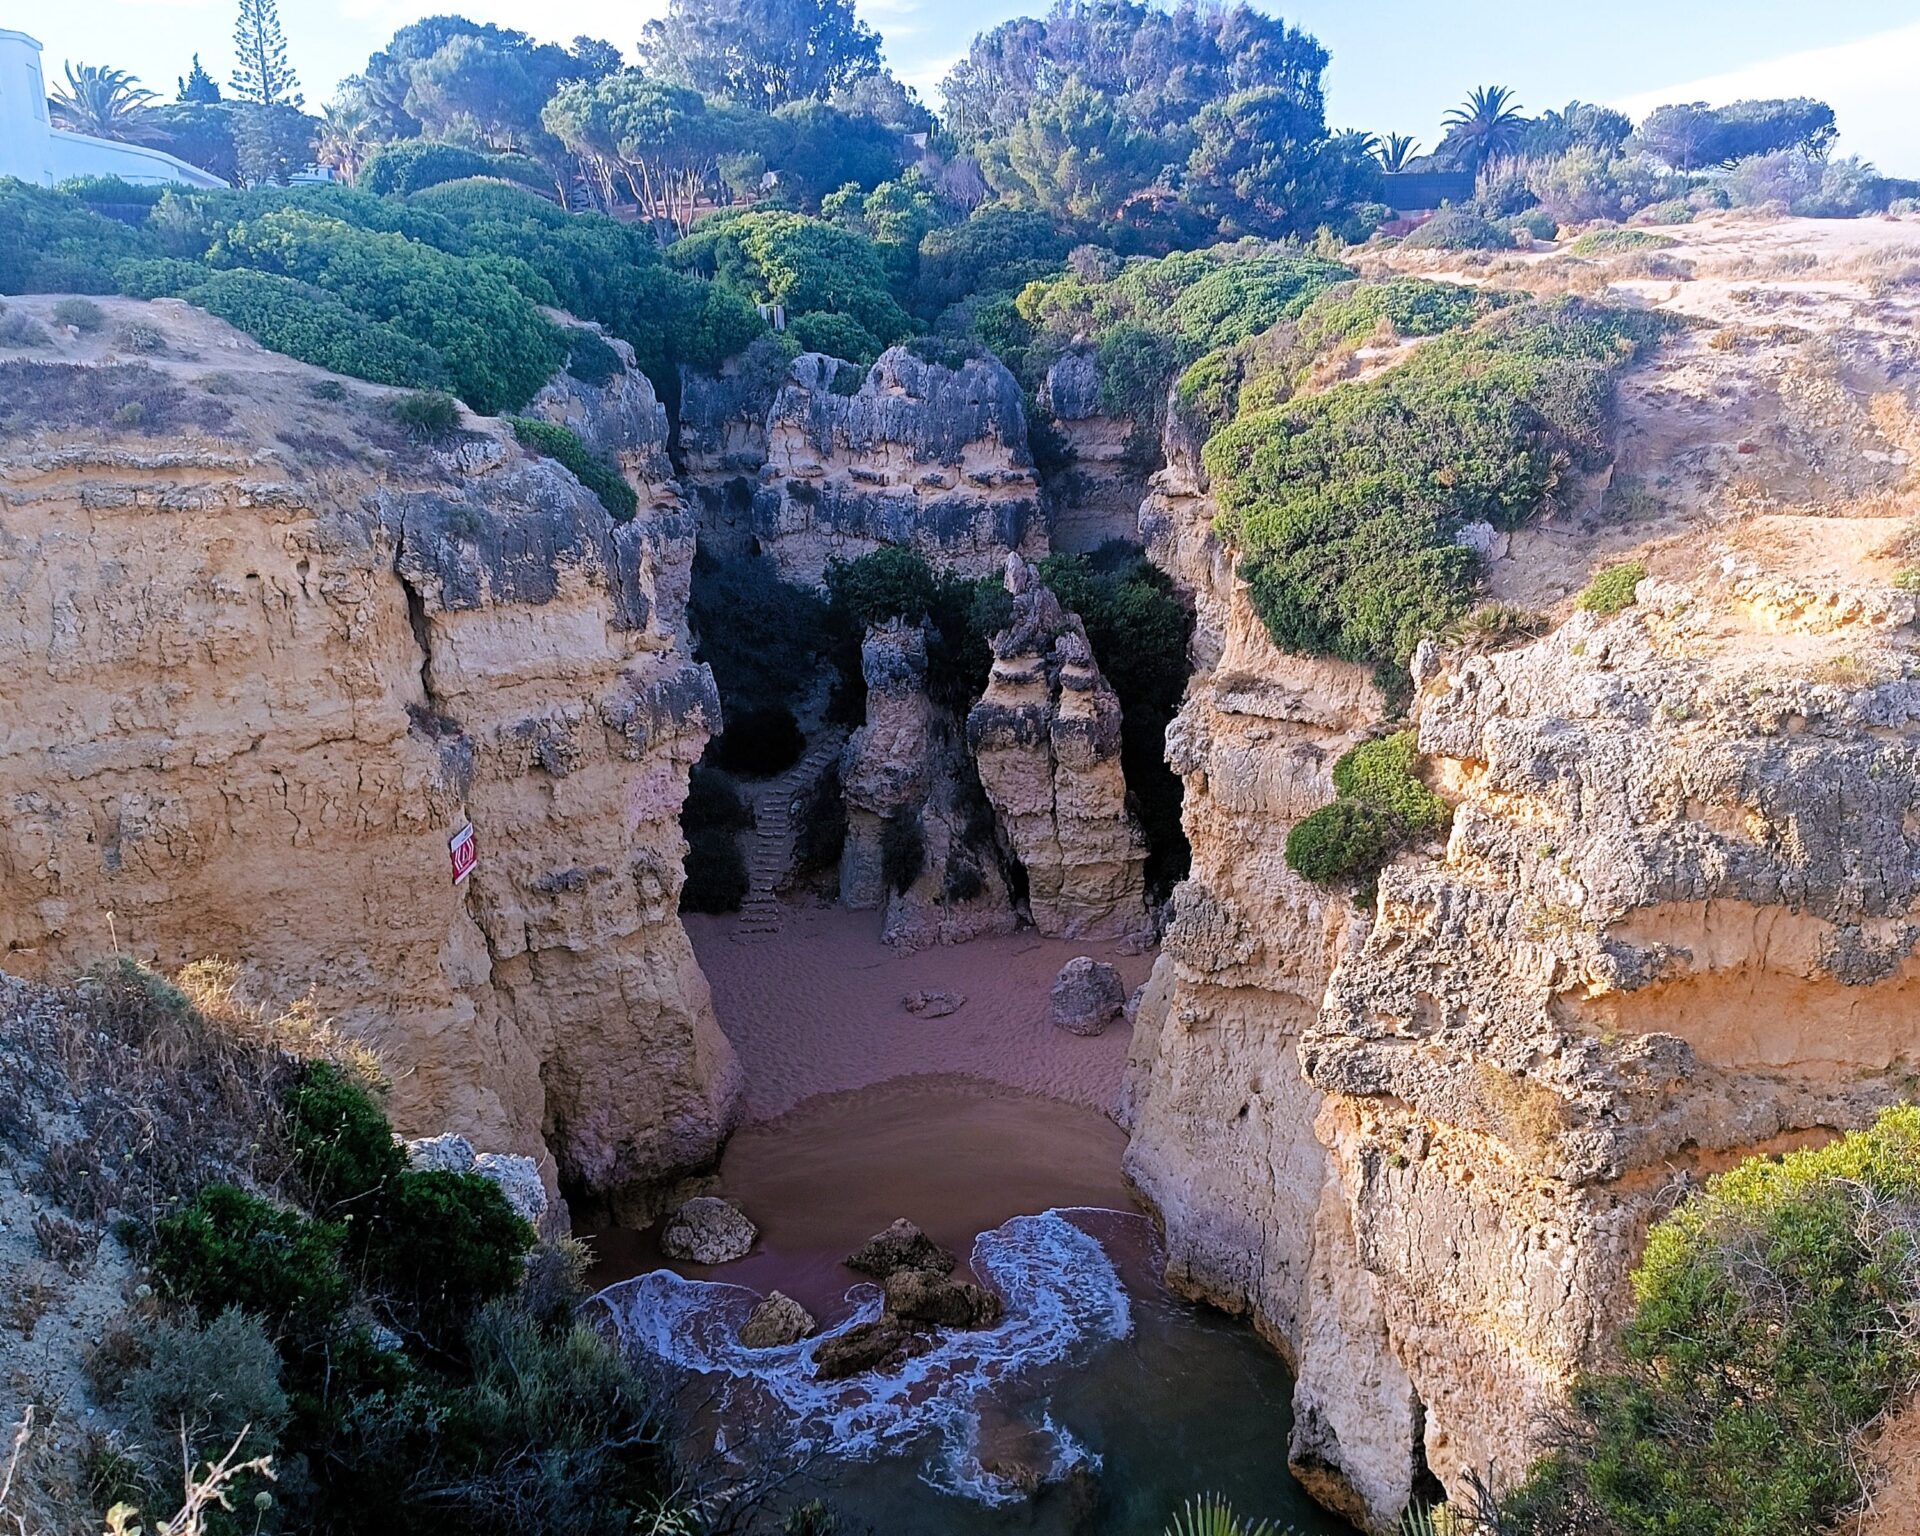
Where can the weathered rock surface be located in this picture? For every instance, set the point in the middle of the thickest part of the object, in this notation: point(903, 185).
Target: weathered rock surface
point(884, 1344)
point(775, 1322)
point(1098, 498)
point(1674, 925)
point(1086, 996)
point(708, 1230)
point(901, 1246)
point(263, 656)
point(905, 776)
point(1046, 739)
point(933, 1005)
point(920, 1296)
point(914, 454)
point(518, 1179)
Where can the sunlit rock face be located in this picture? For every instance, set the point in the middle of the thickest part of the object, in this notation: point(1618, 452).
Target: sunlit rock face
point(260, 667)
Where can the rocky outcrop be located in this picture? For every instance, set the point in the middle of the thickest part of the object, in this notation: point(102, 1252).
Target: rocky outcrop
point(1086, 997)
point(263, 656)
point(1098, 496)
point(708, 1230)
point(722, 443)
point(910, 791)
point(1046, 739)
point(908, 453)
point(902, 1246)
point(1673, 927)
point(776, 1322)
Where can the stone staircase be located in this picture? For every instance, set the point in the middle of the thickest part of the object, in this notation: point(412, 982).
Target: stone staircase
point(770, 846)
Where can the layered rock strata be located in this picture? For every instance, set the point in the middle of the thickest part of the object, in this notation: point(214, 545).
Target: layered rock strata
point(908, 453)
point(1046, 739)
point(263, 656)
point(910, 790)
point(1098, 498)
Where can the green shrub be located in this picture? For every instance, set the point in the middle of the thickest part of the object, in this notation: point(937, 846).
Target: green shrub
point(590, 359)
point(563, 445)
point(1344, 504)
point(232, 1249)
point(17, 330)
point(1347, 840)
point(713, 800)
point(1381, 774)
point(427, 413)
point(341, 1140)
point(327, 389)
point(209, 1381)
point(760, 742)
point(1612, 588)
point(159, 277)
point(440, 1245)
point(1771, 1325)
point(715, 870)
point(497, 349)
point(81, 314)
point(1457, 229)
point(309, 324)
point(1536, 224)
point(822, 833)
point(1611, 242)
point(139, 337)
point(762, 635)
point(838, 336)
point(903, 851)
point(406, 166)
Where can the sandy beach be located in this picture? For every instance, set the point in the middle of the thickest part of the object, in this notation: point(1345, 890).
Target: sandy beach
point(818, 1009)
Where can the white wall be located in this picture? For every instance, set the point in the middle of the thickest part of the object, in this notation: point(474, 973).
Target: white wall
point(32, 149)
point(25, 138)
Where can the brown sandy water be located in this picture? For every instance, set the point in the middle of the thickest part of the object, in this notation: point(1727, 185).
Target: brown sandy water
point(954, 1155)
point(989, 1129)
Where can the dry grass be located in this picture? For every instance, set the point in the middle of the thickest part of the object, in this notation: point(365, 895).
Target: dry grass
point(126, 1092)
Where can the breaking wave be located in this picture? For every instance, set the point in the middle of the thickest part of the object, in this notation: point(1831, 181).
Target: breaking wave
point(1063, 1298)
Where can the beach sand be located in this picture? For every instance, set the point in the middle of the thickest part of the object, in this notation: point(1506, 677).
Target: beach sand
point(818, 1009)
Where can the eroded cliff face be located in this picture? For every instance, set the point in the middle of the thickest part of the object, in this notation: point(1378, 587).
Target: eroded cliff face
point(263, 656)
point(908, 452)
point(1673, 925)
point(1046, 738)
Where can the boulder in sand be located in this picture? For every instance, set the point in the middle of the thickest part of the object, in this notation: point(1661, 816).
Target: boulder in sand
point(707, 1230)
point(1087, 996)
point(901, 1246)
point(776, 1321)
point(885, 1344)
point(934, 1005)
point(921, 1297)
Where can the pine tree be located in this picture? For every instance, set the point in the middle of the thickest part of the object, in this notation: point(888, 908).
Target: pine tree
point(198, 86)
point(262, 74)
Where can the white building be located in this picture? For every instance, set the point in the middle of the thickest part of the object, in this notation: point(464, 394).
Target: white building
point(32, 149)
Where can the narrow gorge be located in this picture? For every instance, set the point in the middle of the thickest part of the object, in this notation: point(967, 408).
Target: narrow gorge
point(1049, 942)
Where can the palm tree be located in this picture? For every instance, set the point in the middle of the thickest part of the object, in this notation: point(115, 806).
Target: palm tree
point(1211, 1515)
point(346, 138)
point(1487, 124)
point(1395, 151)
point(106, 103)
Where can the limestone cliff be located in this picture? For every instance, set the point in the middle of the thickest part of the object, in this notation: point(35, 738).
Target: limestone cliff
point(1098, 497)
point(1674, 924)
point(1046, 738)
point(907, 781)
point(263, 655)
point(909, 452)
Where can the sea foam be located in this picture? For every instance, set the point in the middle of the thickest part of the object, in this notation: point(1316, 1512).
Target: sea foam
point(1063, 1298)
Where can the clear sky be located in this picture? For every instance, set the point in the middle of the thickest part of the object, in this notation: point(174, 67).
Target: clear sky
point(1397, 65)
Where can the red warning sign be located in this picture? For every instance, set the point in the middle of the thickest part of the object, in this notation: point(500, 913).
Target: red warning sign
point(462, 852)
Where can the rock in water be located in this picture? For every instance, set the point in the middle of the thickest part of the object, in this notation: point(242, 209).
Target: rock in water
point(934, 1005)
point(776, 1321)
point(901, 1246)
point(1087, 996)
point(519, 1180)
point(919, 1296)
point(885, 1344)
point(707, 1230)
